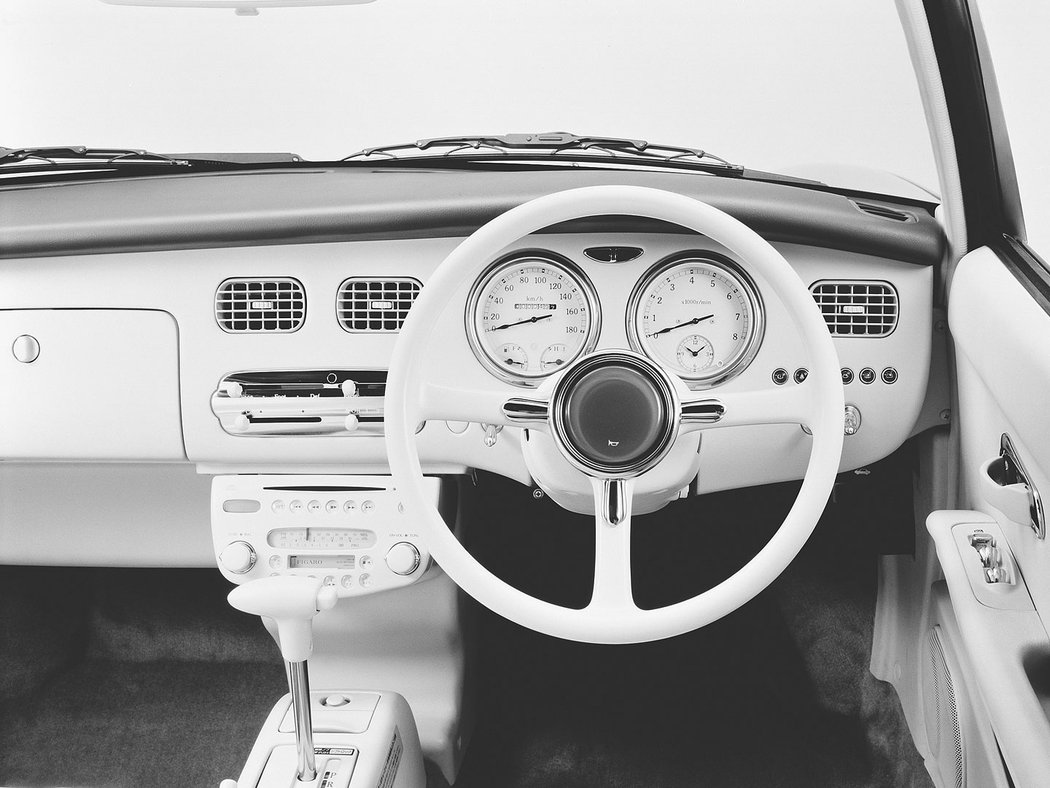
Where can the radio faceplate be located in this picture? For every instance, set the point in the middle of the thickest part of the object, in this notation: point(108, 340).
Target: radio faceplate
point(328, 402)
point(351, 531)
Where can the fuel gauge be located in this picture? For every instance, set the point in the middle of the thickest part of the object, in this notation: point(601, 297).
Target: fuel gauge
point(513, 356)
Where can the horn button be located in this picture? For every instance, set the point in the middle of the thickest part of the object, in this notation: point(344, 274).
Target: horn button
point(615, 414)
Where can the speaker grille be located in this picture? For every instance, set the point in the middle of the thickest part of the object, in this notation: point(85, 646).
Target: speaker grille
point(942, 713)
point(375, 305)
point(857, 309)
point(260, 305)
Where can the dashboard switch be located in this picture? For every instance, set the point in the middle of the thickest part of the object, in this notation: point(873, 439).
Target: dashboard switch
point(889, 375)
point(351, 422)
point(867, 375)
point(801, 374)
point(402, 558)
point(847, 376)
point(780, 376)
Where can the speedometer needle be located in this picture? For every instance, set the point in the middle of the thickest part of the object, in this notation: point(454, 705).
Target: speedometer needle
point(692, 322)
point(526, 320)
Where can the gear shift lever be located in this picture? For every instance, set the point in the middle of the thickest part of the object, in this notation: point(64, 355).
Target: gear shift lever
point(292, 602)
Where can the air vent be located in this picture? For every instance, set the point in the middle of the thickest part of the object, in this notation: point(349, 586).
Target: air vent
point(857, 309)
point(263, 305)
point(379, 305)
point(885, 212)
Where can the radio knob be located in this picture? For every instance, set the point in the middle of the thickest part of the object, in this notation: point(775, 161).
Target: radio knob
point(403, 558)
point(351, 422)
point(237, 557)
point(349, 388)
point(233, 389)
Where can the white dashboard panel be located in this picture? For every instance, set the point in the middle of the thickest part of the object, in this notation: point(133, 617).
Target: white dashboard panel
point(182, 283)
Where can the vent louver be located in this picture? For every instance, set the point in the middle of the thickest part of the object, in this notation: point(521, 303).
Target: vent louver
point(260, 305)
point(857, 309)
point(885, 212)
point(375, 305)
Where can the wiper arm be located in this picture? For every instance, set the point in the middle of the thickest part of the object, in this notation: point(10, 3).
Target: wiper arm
point(551, 143)
point(79, 154)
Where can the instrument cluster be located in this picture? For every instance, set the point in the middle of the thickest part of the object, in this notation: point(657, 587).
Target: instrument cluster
point(697, 313)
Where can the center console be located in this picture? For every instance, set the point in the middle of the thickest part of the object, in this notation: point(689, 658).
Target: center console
point(344, 537)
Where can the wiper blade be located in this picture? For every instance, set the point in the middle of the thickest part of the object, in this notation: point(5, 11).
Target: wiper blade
point(79, 154)
point(550, 143)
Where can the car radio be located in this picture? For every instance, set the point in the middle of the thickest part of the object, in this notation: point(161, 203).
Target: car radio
point(331, 402)
point(351, 531)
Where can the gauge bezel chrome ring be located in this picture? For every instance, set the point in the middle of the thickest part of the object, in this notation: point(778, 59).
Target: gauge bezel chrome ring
point(666, 393)
point(740, 360)
point(570, 269)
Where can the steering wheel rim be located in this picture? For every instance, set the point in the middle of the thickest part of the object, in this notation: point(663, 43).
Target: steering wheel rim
point(615, 623)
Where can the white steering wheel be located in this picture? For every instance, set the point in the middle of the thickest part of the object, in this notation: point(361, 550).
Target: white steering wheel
point(611, 616)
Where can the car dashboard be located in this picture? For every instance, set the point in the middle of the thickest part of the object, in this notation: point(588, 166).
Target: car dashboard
point(170, 329)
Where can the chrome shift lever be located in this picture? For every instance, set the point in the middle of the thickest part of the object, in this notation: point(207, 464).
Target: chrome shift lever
point(292, 602)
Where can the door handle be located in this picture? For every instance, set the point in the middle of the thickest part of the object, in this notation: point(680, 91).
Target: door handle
point(1006, 485)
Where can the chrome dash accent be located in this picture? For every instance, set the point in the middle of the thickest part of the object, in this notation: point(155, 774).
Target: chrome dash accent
point(1014, 471)
point(703, 411)
point(526, 412)
point(299, 686)
point(614, 508)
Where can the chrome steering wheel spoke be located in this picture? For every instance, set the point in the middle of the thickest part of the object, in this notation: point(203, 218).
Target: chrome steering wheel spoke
point(734, 409)
point(612, 544)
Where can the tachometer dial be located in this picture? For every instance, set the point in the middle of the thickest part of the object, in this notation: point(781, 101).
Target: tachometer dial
point(531, 315)
point(698, 314)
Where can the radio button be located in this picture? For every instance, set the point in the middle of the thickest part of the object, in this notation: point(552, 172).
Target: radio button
point(277, 506)
point(350, 506)
point(314, 506)
point(295, 506)
point(331, 506)
point(368, 506)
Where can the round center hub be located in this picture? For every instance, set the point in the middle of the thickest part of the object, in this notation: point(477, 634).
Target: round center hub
point(614, 414)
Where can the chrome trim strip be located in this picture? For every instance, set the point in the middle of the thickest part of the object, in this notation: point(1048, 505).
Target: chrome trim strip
point(703, 411)
point(525, 412)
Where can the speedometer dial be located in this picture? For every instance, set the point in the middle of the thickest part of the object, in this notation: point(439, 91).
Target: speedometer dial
point(700, 315)
point(531, 315)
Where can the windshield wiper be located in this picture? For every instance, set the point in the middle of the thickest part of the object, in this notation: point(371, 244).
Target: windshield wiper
point(553, 144)
point(79, 154)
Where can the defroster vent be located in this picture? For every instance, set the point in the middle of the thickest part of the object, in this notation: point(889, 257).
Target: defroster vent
point(263, 305)
point(378, 305)
point(857, 309)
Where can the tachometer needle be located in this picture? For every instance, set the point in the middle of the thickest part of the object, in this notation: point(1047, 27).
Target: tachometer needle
point(526, 320)
point(692, 322)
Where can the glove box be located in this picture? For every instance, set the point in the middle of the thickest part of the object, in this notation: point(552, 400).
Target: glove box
point(89, 384)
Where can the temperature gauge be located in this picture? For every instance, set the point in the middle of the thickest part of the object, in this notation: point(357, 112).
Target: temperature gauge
point(554, 357)
point(321, 538)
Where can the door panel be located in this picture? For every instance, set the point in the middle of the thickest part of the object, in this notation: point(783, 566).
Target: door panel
point(1002, 343)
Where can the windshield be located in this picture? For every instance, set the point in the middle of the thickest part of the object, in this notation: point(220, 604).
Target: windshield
point(767, 84)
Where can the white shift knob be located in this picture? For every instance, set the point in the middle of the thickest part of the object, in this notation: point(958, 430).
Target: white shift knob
point(292, 602)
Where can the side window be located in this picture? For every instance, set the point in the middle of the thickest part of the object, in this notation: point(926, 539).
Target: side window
point(1016, 35)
